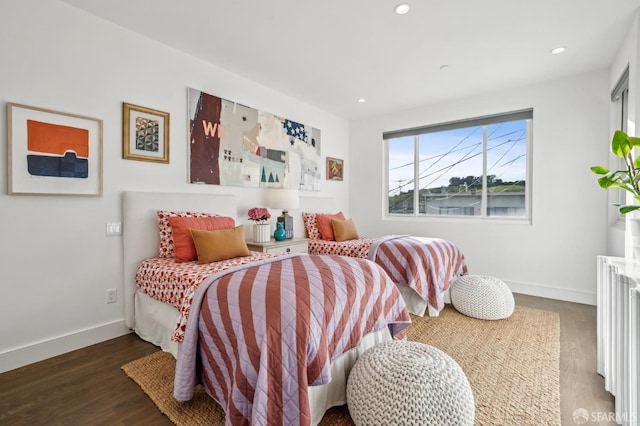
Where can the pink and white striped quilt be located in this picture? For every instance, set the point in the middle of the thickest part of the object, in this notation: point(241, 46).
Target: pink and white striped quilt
point(258, 335)
point(427, 265)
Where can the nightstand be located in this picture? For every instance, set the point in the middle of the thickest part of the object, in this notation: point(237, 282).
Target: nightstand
point(293, 245)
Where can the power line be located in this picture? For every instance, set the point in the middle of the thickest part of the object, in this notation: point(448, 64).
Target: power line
point(489, 138)
point(464, 158)
point(453, 149)
point(503, 155)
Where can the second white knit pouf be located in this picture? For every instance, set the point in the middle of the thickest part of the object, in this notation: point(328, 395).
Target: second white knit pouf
point(409, 383)
point(482, 297)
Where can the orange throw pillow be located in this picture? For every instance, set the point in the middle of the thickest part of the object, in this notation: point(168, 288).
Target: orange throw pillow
point(344, 230)
point(183, 247)
point(324, 224)
point(214, 246)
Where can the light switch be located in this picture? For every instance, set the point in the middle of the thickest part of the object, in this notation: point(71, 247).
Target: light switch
point(114, 229)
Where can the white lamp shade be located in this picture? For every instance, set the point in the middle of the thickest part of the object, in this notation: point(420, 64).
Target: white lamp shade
point(284, 199)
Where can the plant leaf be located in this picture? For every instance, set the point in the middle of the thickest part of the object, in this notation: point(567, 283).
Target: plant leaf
point(605, 182)
point(627, 209)
point(634, 141)
point(599, 170)
point(620, 144)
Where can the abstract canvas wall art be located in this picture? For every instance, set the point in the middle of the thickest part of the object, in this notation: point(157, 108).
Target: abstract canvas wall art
point(233, 144)
point(51, 152)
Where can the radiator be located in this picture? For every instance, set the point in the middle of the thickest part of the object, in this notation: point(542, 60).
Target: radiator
point(634, 357)
point(618, 341)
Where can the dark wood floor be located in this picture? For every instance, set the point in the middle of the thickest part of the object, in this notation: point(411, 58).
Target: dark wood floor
point(87, 386)
point(580, 385)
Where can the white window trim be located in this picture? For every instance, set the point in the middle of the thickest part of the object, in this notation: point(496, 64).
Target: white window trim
point(416, 216)
point(620, 99)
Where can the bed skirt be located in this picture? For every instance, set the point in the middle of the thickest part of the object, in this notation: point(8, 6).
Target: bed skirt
point(416, 304)
point(155, 322)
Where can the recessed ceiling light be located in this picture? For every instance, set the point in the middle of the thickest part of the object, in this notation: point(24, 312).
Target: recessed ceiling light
point(401, 9)
point(558, 50)
point(362, 100)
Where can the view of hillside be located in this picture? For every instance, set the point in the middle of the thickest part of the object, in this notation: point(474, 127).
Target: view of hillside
point(469, 186)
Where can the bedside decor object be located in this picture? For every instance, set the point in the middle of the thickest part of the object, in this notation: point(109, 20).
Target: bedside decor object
point(285, 199)
point(53, 153)
point(145, 134)
point(335, 169)
point(261, 228)
point(261, 232)
point(280, 234)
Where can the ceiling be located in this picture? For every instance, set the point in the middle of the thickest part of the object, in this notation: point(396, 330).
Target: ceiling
point(329, 53)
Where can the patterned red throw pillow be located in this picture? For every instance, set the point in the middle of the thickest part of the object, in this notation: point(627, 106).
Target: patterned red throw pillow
point(311, 225)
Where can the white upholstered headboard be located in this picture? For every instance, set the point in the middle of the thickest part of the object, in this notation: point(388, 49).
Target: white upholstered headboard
point(140, 234)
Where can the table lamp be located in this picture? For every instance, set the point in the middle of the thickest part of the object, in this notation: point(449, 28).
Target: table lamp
point(285, 199)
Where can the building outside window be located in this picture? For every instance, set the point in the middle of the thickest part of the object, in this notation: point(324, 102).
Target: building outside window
point(470, 168)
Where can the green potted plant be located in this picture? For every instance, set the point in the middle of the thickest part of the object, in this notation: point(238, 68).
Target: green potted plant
point(629, 179)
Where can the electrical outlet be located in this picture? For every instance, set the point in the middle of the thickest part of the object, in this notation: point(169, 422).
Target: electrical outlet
point(112, 295)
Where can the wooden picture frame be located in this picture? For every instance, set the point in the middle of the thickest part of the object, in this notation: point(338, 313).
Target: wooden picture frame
point(53, 153)
point(145, 134)
point(335, 169)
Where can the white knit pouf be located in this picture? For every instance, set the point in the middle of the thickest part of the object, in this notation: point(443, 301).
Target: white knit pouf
point(408, 383)
point(482, 296)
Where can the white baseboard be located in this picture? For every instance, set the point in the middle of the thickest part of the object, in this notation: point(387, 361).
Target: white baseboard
point(19, 357)
point(576, 296)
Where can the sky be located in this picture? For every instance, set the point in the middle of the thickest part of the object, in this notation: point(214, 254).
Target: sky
point(458, 153)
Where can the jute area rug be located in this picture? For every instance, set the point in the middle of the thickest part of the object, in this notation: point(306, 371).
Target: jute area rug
point(512, 366)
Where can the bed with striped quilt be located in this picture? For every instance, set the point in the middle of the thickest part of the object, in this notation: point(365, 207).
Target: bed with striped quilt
point(426, 265)
point(259, 335)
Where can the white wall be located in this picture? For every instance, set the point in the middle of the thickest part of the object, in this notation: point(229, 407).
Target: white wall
point(553, 257)
point(55, 259)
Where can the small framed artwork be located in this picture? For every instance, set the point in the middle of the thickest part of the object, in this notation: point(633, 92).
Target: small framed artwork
point(145, 134)
point(335, 169)
point(53, 153)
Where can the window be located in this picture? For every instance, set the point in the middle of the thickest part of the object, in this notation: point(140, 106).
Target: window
point(620, 99)
point(471, 168)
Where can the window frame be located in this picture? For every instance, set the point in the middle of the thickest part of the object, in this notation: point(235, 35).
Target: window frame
point(525, 114)
point(620, 101)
